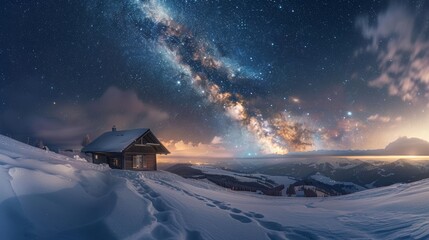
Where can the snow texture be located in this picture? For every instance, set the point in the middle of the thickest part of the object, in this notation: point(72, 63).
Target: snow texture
point(326, 180)
point(48, 196)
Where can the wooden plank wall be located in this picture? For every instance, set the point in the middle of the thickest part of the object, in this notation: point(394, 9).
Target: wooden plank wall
point(101, 159)
point(149, 158)
point(128, 161)
point(151, 161)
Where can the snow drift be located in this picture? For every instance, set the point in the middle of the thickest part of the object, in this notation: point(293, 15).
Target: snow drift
point(48, 196)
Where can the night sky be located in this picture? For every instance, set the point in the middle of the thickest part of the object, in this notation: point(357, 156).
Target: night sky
point(224, 78)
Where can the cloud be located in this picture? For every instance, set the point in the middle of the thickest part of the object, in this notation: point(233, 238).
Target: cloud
point(217, 140)
point(383, 119)
point(65, 124)
point(379, 118)
point(398, 38)
point(124, 108)
point(214, 149)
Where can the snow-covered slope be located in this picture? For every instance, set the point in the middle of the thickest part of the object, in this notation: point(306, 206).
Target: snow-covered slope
point(48, 196)
point(243, 177)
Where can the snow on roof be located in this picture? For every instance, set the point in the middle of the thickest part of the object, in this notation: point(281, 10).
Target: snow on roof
point(114, 141)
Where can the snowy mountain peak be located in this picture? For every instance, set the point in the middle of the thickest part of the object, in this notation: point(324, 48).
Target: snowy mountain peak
point(408, 146)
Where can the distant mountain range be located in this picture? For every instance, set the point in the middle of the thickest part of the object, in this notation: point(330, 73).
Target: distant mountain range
point(326, 175)
point(408, 146)
point(367, 174)
point(330, 172)
point(401, 146)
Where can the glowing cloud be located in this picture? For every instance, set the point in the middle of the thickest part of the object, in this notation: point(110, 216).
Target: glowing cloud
point(379, 118)
point(401, 47)
point(66, 124)
point(189, 149)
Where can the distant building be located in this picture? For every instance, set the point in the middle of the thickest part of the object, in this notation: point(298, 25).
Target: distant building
point(129, 149)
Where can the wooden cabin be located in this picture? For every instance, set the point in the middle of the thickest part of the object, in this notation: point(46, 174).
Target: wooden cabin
point(129, 149)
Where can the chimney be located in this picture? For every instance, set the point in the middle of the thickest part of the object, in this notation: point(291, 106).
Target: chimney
point(114, 128)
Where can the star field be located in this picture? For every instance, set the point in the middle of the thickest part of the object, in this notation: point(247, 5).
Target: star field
point(266, 77)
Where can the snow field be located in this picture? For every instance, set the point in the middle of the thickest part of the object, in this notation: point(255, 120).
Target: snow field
point(48, 196)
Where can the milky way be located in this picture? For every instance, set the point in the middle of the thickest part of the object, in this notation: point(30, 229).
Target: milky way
point(260, 76)
point(209, 76)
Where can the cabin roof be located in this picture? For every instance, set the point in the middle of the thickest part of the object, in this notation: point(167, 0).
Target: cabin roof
point(118, 141)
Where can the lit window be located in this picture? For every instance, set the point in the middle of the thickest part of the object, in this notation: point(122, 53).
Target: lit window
point(115, 162)
point(138, 161)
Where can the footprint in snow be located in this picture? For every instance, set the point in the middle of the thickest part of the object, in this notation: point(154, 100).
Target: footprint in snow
point(275, 236)
point(223, 207)
point(193, 235)
point(162, 232)
point(275, 226)
point(254, 215)
point(240, 218)
point(154, 194)
point(290, 232)
point(235, 210)
point(164, 216)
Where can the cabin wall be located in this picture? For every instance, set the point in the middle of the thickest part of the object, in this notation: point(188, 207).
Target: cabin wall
point(151, 161)
point(99, 158)
point(148, 161)
point(114, 160)
point(152, 147)
point(140, 149)
point(143, 162)
point(147, 153)
point(138, 156)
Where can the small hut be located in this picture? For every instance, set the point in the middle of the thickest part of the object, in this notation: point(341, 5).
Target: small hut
point(134, 149)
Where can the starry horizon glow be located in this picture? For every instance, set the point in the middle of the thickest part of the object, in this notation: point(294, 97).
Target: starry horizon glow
point(244, 78)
